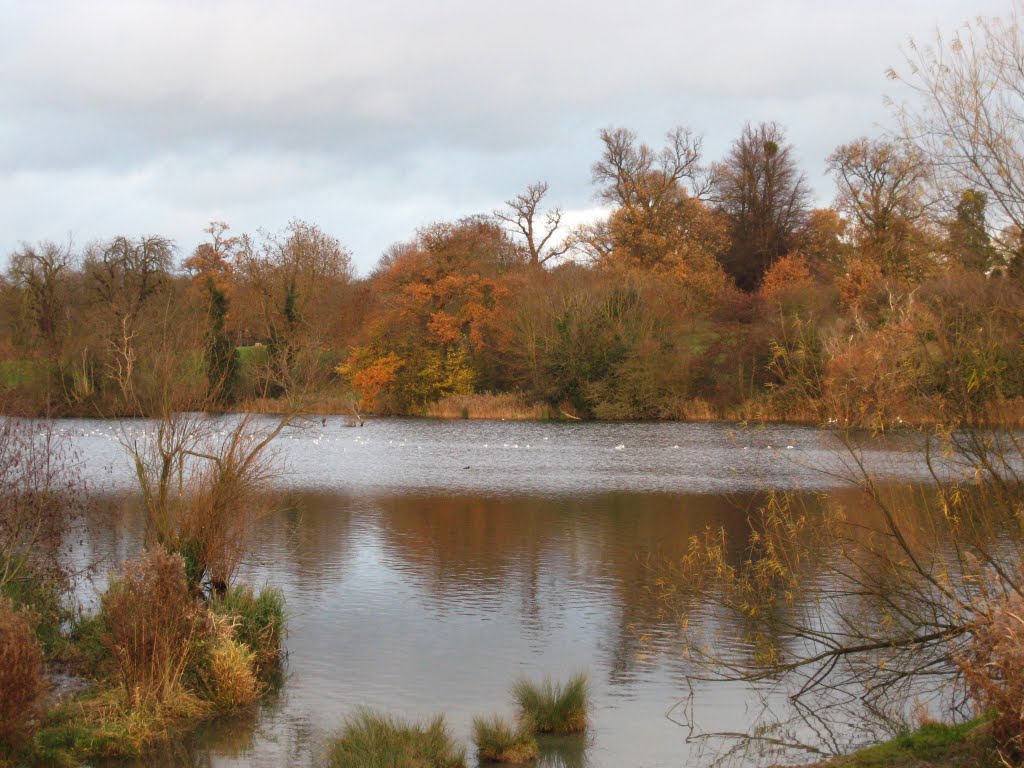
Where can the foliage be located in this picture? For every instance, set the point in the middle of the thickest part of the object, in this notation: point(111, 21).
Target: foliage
point(372, 740)
point(554, 708)
point(203, 489)
point(22, 684)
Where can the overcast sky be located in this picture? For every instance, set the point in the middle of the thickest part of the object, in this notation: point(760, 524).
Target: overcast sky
point(374, 118)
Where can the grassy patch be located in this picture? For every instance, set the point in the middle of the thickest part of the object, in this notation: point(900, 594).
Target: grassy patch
point(372, 740)
point(554, 708)
point(933, 745)
point(499, 741)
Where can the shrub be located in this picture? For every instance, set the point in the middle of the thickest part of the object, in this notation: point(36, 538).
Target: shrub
point(554, 708)
point(500, 741)
point(372, 740)
point(154, 626)
point(22, 684)
point(994, 671)
point(259, 621)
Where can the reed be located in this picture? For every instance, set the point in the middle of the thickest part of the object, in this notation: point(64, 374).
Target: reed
point(554, 708)
point(510, 406)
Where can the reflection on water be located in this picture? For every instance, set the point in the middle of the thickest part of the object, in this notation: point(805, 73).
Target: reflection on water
point(427, 564)
point(419, 603)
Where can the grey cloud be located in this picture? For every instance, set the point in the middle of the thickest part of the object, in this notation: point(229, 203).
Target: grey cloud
point(374, 118)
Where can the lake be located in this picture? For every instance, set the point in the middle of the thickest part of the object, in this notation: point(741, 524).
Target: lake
point(426, 564)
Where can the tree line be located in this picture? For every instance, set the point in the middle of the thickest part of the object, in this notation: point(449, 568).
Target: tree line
point(711, 289)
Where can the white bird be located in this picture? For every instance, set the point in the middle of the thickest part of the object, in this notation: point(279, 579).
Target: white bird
point(620, 447)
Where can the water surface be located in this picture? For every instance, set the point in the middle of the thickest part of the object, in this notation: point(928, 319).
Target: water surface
point(426, 564)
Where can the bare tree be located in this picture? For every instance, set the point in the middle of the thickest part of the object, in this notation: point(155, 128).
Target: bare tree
point(522, 217)
point(632, 174)
point(41, 273)
point(968, 114)
point(124, 275)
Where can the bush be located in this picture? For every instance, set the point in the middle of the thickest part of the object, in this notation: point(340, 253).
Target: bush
point(994, 671)
point(259, 621)
point(499, 741)
point(154, 626)
point(554, 708)
point(22, 684)
point(372, 740)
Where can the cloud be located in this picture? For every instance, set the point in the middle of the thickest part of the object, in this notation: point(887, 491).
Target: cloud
point(378, 117)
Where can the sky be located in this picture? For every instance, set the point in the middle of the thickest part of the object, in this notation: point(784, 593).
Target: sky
point(372, 119)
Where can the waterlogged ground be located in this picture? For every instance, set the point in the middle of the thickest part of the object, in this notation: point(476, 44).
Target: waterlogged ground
point(426, 564)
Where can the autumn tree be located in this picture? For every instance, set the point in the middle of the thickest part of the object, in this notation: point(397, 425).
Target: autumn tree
point(295, 279)
point(881, 192)
point(969, 243)
point(966, 114)
point(437, 326)
point(761, 189)
point(211, 265)
point(658, 217)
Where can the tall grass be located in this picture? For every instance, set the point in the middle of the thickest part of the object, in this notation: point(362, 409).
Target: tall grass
point(372, 740)
point(554, 708)
point(500, 741)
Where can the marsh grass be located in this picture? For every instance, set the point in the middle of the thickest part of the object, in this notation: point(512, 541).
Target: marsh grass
point(259, 622)
point(509, 405)
point(102, 724)
point(500, 741)
point(231, 674)
point(372, 740)
point(554, 708)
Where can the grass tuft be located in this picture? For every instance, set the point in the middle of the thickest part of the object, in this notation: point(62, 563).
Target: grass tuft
point(554, 708)
point(259, 621)
point(372, 740)
point(499, 741)
point(232, 675)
